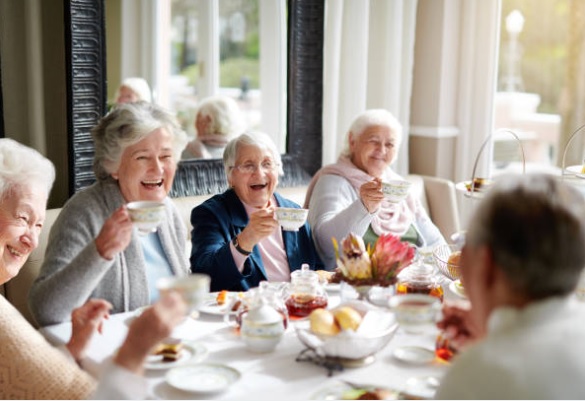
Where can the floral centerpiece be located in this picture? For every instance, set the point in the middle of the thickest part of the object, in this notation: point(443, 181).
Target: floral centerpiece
point(379, 265)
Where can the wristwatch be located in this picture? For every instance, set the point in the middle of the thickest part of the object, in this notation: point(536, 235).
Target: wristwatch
point(239, 248)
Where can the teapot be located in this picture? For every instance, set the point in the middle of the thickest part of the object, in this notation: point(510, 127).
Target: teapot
point(305, 293)
point(420, 277)
point(262, 327)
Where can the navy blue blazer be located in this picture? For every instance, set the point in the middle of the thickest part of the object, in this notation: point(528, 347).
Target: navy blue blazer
point(217, 221)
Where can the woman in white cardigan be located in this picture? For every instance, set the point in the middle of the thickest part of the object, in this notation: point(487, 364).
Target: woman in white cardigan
point(30, 367)
point(347, 196)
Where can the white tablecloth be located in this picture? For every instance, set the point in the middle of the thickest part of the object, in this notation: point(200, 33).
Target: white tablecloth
point(263, 376)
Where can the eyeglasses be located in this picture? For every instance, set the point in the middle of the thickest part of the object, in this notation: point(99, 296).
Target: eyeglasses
point(267, 166)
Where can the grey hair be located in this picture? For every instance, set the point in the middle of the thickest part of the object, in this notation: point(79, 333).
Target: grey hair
point(21, 165)
point(535, 228)
point(372, 118)
point(226, 117)
point(126, 125)
point(139, 86)
point(253, 138)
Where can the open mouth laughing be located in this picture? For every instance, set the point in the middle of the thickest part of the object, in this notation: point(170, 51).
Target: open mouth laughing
point(152, 183)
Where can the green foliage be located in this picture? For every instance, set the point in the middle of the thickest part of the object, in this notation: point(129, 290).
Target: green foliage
point(191, 72)
point(233, 69)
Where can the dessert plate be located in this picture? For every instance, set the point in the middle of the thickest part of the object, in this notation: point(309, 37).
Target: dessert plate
point(203, 378)
point(457, 288)
point(191, 352)
point(344, 391)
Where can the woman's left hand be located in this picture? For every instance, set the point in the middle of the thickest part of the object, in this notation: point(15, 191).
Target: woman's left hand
point(85, 321)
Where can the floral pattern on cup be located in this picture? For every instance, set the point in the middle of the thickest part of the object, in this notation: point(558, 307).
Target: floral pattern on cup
point(396, 190)
point(291, 219)
point(146, 215)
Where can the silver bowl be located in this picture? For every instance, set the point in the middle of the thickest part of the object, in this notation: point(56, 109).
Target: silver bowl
point(351, 348)
point(441, 255)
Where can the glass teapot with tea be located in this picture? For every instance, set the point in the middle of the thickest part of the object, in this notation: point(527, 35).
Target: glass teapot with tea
point(305, 293)
point(420, 277)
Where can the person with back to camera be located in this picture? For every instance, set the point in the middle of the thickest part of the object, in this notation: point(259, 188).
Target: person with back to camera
point(93, 250)
point(521, 261)
point(236, 239)
point(133, 90)
point(218, 120)
point(30, 367)
point(347, 196)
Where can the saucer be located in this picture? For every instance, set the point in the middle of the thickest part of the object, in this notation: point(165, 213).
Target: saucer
point(414, 355)
point(576, 170)
point(203, 378)
point(457, 288)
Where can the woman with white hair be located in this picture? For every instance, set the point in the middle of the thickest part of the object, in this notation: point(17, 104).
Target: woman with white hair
point(93, 250)
point(218, 121)
point(347, 196)
point(236, 239)
point(31, 368)
point(133, 89)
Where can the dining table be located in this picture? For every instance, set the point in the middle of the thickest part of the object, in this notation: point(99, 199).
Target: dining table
point(284, 373)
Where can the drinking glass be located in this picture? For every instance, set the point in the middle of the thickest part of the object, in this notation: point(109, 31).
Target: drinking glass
point(194, 288)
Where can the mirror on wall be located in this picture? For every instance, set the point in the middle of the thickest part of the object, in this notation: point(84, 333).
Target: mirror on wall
point(202, 49)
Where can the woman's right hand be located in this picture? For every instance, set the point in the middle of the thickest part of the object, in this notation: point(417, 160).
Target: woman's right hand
point(115, 235)
point(152, 326)
point(262, 223)
point(371, 195)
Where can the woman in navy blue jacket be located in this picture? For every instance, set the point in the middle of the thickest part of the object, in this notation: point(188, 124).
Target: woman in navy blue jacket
point(236, 239)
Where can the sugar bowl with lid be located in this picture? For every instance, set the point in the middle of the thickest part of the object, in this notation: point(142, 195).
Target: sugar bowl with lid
point(262, 327)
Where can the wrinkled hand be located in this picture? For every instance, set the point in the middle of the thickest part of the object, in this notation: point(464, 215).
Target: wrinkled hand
point(153, 325)
point(262, 223)
point(459, 325)
point(115, 235)
point(85, 321)
point(371, 194)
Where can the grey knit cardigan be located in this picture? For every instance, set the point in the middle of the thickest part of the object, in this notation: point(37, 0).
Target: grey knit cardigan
point(73, 271)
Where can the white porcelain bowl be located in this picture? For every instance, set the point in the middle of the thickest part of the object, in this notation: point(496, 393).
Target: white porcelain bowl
point(146, 215)
point(291, 219)
point(396, 190)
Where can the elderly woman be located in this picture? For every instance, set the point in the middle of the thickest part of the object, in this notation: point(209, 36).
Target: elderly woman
point(218, 120)
point(31, 368)
point(133, 89)
point(347, 196)
point(521, 261)
point(93, 250)
point(236, 239)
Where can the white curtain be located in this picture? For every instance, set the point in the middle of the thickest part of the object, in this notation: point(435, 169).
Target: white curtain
point(368, 60)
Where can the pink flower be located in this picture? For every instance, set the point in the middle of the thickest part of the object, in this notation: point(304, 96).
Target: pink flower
point(390, 256)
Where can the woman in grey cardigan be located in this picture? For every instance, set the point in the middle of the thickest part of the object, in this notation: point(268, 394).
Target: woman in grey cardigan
point(93, 249)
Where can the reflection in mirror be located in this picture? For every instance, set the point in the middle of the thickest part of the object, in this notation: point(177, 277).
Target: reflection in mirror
point(201, 49)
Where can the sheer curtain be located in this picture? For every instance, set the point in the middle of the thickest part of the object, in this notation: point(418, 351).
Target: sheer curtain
point(368, 59)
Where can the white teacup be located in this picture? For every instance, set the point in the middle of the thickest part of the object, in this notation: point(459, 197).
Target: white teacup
point(194, 288)
point(291, 219)
point(396, 190)
point(146, 215)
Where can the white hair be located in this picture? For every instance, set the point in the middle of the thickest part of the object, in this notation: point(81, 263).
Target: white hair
point(126, 125)
point(254, 138)
point(138, 86)
point(372, 118)
point(224, 112)
point(21, 165)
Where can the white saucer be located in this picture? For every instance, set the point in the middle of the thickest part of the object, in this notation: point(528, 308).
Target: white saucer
point(203, 378)
point(191, 352)
point(456, 289)
point(424, 387)
point(576, 171)
point(414, 355)
point(332, 287)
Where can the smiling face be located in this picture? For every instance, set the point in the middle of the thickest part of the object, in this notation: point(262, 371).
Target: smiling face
point(22, 214)
point(373, 150)
point(147, 168)
point(254, 189)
